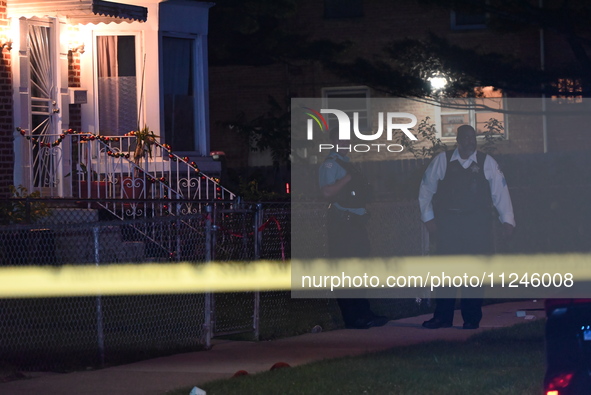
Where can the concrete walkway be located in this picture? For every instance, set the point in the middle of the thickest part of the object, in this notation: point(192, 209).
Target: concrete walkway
point(159, 375)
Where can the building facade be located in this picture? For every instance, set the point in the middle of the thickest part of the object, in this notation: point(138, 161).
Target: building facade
point(101, 68)
point(369, 26)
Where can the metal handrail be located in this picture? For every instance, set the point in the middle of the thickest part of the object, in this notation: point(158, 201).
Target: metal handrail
point(104, 171)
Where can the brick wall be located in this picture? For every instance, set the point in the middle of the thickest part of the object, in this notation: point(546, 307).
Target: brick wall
point(6, 106)
point(245, 89)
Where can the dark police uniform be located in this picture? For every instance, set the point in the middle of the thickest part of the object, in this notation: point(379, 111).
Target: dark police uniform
point(347, 231)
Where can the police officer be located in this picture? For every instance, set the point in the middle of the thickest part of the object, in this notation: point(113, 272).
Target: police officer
point(344, 186)
point(456, 197)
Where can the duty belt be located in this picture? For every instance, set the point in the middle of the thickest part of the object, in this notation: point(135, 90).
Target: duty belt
point(343, 215)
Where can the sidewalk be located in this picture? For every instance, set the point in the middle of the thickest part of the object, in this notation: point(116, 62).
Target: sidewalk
point(159, 375)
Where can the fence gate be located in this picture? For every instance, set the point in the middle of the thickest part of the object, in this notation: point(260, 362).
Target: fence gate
point(235, 235)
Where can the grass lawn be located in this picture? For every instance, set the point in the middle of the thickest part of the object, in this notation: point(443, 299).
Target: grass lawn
point(501, 361)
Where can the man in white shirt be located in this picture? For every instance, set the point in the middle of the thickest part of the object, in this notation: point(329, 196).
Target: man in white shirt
point(456, 194)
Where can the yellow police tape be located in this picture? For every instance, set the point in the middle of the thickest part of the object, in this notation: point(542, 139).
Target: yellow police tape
point(148, 278)
point(130, 279)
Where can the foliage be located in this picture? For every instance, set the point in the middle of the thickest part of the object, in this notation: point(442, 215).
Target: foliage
point(144, 138)
point(492, 135)
point(270, 131)
point(568, 20)
point(425, 132)
point(404, 65)
point(250, 192)
point(19, 209)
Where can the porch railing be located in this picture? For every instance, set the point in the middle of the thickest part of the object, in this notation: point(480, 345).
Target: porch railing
point(103, 170)
point(95, 166)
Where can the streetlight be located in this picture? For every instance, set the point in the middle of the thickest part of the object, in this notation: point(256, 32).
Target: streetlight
point(438, 81)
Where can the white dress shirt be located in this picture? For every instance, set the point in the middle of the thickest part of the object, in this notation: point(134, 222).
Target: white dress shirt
point(436, 172)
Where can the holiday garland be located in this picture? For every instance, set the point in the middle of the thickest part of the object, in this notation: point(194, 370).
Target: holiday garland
point(35, 140)
point(105, 139)
point(85, 136)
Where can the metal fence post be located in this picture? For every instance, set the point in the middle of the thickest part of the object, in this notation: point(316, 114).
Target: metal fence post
point(178, 242)
point(258, 222)
point(99, 307)
point(27, 210)
point(258, 232)
point(207, 327)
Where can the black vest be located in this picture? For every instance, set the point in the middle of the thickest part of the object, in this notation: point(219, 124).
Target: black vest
point(463, 190)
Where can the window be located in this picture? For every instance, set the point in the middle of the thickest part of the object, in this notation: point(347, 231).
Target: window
point(336, 9)
point(332, 98)
point(183, 81)
point(570, 91)
point(469, 18)
point(178, 84)
point(476, 111)
point(117, 84)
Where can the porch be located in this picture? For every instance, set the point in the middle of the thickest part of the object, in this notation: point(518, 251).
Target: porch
point(106, 68)
point(86, 165)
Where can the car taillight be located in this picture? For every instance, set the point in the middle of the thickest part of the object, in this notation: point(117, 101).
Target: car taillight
point(558, 382)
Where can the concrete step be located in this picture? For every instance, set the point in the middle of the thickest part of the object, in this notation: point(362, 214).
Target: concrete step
point(70, 216)
point(76, 245)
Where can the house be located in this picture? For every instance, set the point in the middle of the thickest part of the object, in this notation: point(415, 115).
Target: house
point(370, 26)
point(79, 75)
point(160, 41)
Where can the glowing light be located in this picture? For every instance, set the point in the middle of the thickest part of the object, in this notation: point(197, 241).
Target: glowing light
point(438, 82)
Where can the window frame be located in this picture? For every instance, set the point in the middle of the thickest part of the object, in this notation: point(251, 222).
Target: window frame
point(569, 91)
point(473, 26)
point(342, 92)
point(472, 119)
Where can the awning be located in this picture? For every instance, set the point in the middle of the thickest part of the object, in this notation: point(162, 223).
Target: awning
point(78, 11)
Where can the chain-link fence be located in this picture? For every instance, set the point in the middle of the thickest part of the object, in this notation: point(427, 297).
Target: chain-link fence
point(52, 333)
point(73, 332)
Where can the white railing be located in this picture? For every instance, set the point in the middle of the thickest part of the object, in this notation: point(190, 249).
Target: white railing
point(104, 167)
point(103, 170)
point(112, 159)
